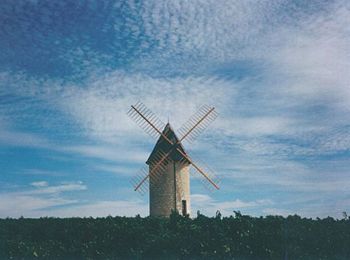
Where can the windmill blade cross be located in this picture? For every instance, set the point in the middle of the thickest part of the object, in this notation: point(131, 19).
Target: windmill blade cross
point(204, 116)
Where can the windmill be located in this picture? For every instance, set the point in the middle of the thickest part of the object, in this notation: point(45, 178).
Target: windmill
point(166, 172)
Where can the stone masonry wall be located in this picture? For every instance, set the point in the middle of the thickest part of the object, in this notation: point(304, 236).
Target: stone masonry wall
point(164, 194)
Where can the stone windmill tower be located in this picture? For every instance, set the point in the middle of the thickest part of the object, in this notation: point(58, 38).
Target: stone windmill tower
point(168, 166)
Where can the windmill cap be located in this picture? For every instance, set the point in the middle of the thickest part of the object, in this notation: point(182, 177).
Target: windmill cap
point(163, 146)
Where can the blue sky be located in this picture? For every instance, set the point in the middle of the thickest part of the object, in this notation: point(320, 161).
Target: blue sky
point(277, 72)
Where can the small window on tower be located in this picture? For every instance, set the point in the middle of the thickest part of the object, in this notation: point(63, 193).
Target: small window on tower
point(184, 208)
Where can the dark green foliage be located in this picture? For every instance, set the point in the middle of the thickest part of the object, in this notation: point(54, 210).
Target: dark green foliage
point(177, 237)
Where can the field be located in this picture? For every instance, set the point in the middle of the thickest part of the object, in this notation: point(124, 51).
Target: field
point(177, 237)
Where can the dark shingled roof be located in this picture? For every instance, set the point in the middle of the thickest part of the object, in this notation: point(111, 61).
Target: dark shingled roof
point(165, 147)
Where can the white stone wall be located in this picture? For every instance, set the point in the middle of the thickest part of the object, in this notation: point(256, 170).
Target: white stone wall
point(183, 187)
point(166, 193)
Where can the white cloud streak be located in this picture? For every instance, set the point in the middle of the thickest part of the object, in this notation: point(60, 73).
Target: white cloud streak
point(48, 200)
point(39, 184)
point(27, 201)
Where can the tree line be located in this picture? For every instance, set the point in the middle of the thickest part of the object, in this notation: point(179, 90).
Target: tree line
point(177, 237)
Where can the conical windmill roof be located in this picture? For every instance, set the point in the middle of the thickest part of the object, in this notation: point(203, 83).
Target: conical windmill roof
point(164, 146)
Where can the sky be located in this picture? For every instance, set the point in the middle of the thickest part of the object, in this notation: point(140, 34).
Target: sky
point(277, 72)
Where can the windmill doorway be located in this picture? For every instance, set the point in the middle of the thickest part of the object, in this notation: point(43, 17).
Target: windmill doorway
point(184, 208)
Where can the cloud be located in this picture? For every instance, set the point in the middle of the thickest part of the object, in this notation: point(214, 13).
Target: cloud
point(100, 107)
point(187, 34)
point(16, 205)
point(39, 184)
point(41, 172)
point(42, 199)
point(30, 206)
point(116, 169)
point(105, 152)
point(16, 138)
point(38, 196)
point(318, 59)
point(255, 126)
point(110, 152)
point(75, 186)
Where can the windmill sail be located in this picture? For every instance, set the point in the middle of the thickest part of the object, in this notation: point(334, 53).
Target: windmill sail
point(167, 175)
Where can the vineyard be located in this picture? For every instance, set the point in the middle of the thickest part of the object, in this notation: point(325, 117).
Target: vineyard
point(235, 237)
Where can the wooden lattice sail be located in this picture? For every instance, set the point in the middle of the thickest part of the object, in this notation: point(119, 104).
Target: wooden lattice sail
point(168, 164)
